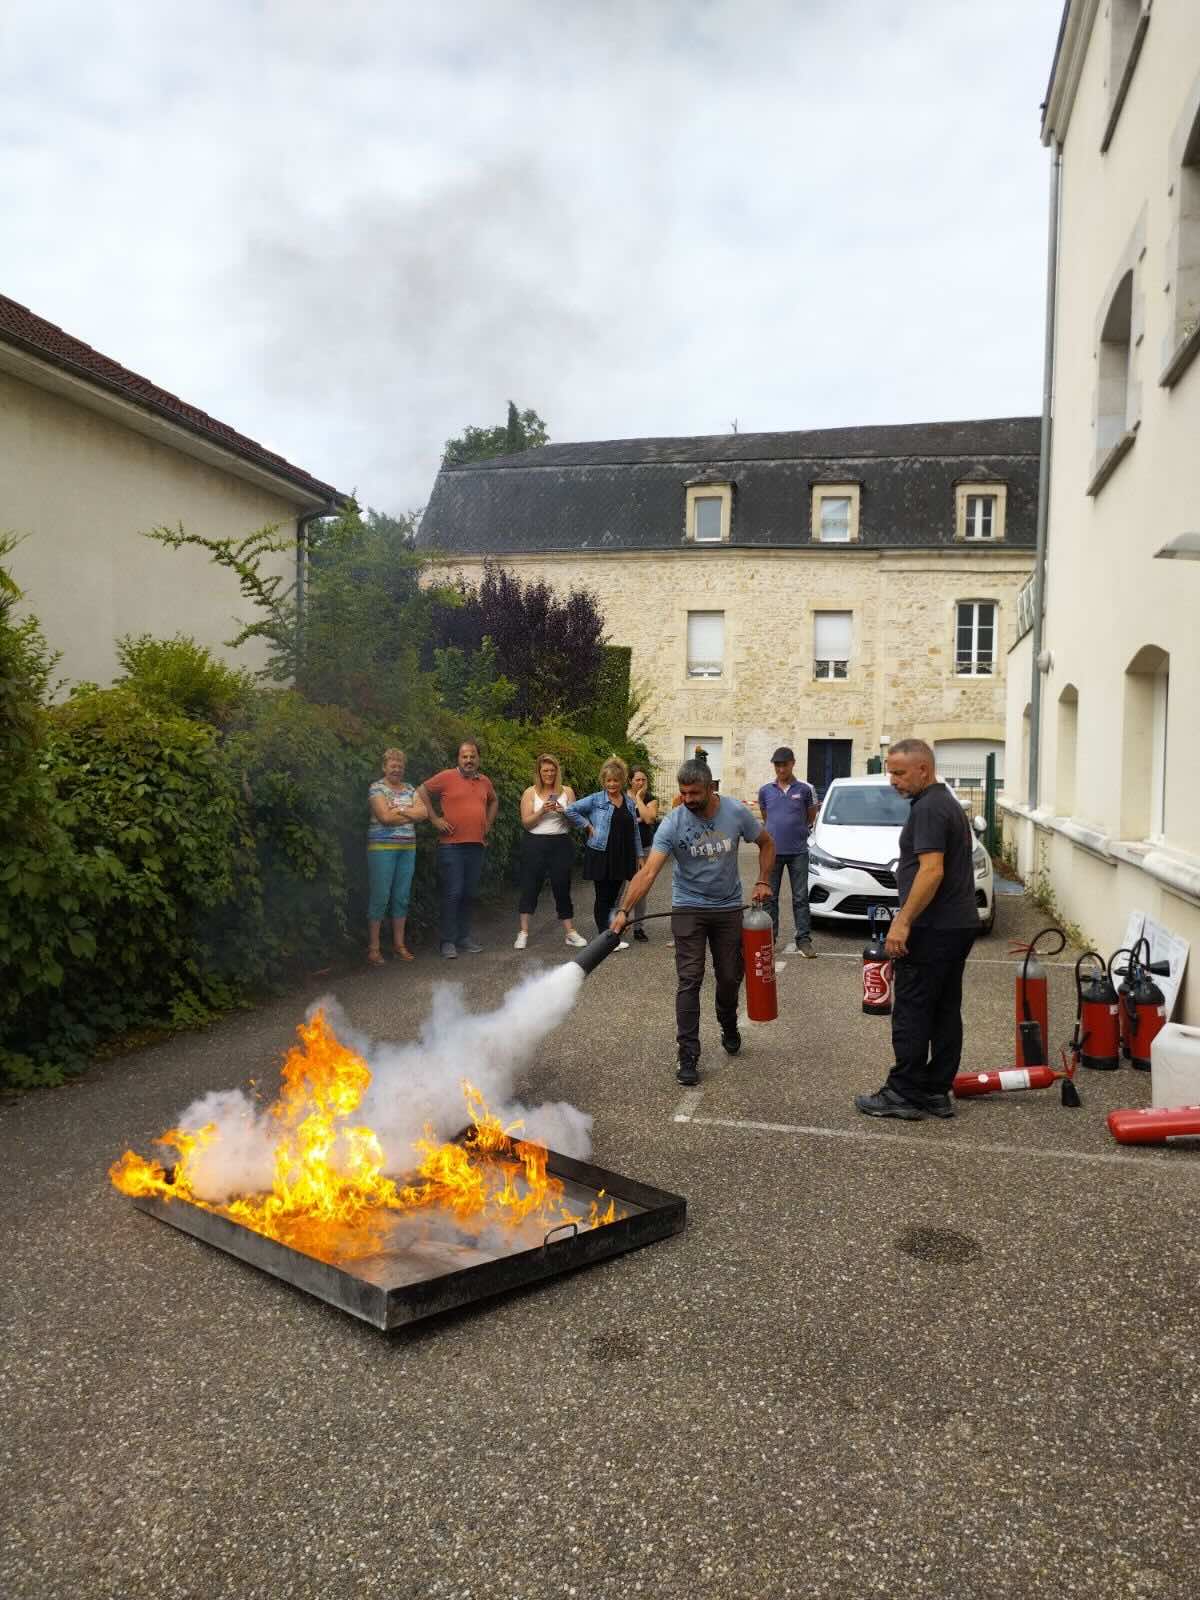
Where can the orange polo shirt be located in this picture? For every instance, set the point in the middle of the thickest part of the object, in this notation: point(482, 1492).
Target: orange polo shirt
point(464, 804)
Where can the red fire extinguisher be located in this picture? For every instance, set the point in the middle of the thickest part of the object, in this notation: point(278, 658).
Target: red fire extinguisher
point(758, 953)
point(877, 971)
point(1032, 1004)
point(966, 1084)
point(1142, 1002)
point(1154, 1124)
point(1097, 1041)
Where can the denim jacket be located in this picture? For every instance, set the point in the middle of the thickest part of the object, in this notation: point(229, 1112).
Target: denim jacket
point(597, 809)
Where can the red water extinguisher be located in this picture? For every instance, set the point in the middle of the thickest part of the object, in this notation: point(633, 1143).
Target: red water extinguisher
point(1097, 1040)
point(1142, 1003)
point(1154, 1124)
point(877, 970)
point(758, 953)
point(1032, 1003)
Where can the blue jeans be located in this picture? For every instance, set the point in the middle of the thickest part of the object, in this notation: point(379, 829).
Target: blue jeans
point(797, 867)
point(459, 866)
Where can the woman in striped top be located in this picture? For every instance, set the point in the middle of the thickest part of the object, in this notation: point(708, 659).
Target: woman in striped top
point(391, 854)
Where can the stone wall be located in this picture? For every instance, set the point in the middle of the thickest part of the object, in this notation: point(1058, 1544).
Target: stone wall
point(901, 676)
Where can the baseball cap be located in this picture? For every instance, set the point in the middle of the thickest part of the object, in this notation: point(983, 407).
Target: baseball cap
point(783, 754)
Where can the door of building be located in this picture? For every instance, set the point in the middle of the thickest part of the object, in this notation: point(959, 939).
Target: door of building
point(828, 759)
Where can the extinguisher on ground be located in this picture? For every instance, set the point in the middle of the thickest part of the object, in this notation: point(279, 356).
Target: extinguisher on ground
point(1006, 1079)
point(877, 969)
point(1032, 1003)
point(1154, 1124)
point(758, 954)
point(1143, 1005)
point(1097, 1039)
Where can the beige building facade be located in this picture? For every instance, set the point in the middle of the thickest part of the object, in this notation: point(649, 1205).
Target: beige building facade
point(830, 591)
point(761, 691)
point(91, 456)
point(1103, 801)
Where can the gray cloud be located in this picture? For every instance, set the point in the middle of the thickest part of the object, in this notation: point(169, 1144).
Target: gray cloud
point(351, 230)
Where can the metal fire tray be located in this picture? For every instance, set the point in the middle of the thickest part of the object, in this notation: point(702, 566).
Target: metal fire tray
point(427, 1263)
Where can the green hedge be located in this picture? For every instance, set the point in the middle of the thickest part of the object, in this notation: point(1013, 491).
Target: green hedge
point(166, 867)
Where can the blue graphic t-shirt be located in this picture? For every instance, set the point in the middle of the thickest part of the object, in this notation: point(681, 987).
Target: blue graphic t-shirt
point(706, 854)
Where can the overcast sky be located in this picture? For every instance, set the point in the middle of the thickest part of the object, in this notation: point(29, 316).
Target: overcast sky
point(351, 227)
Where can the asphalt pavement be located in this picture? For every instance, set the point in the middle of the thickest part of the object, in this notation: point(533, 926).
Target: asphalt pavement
point(953, 1359)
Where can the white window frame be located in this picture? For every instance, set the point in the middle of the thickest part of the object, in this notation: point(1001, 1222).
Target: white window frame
point(708, 491)
point(709, 667)
point(713, 744)
point(825, 668)
point(836, 491)
point(964, 494)
point(973, 670)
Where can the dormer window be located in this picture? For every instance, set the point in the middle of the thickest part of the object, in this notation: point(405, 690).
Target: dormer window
point(708, 512)
point(835, 513)
point(979, 512)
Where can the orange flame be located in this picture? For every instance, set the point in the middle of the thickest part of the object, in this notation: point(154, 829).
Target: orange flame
point(330, 1196)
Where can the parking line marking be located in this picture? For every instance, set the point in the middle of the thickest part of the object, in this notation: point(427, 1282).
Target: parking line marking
point(922, 1147)
point(689, 1102)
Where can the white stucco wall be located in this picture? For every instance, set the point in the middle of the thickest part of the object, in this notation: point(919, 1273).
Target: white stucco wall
point(81, 486)
point(1107, 598)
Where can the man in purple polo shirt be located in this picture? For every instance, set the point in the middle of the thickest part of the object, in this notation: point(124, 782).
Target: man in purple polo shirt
point(788, 809)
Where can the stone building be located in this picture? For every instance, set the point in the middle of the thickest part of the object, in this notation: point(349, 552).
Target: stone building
point(828, 590)
point(1102, 737)
point(92, 455)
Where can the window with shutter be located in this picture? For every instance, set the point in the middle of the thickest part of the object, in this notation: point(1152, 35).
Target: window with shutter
point(831, 644)
point(705, 644)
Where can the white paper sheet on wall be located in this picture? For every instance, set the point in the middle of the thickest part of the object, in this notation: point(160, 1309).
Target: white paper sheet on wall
point(1164, 946)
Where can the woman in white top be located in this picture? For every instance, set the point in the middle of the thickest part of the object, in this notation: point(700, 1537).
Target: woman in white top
point(546, 849)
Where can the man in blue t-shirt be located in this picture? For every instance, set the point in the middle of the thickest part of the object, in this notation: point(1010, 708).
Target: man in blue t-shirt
point(789, 808)
point(702, 835)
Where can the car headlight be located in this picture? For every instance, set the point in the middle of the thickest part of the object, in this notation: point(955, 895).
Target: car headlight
point(979, 856)
point(820, 858)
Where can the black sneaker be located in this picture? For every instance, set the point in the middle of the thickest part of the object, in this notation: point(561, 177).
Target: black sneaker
point(687, 1072)
point(731, 1042)
point(887, 1103)
point(641, 936)
point(938, 1105)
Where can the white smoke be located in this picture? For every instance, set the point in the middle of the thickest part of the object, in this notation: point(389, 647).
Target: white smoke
point(413, 1086)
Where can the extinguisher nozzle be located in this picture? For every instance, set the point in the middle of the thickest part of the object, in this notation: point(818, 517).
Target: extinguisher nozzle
point(1070, 1094)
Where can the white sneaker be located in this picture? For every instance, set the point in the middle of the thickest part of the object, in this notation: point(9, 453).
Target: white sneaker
point(575, 939)
point(521, 940)
point(624, 945)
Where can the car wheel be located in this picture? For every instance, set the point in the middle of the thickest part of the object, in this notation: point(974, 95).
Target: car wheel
point(986, 927)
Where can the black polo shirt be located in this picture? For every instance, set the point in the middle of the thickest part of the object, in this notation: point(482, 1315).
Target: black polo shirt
point(938, 822)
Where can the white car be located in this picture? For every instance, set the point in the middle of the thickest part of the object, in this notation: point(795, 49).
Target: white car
point(855, 845)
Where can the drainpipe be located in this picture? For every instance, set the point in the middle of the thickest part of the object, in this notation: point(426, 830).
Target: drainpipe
point(1043, 511)
point(302, 523)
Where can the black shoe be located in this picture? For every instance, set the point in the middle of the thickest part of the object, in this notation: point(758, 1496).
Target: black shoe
point(641, 936)
point(731, 1042)
point(887, 1103)
point(687, 1072)
point(938, 1105)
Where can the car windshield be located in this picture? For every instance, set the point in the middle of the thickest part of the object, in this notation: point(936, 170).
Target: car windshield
point(868, 805)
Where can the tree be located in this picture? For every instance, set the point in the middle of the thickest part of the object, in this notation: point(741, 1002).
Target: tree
point(549, 647)
point(524, 430)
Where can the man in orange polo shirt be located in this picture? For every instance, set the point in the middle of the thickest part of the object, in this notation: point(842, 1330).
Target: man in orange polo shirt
point(468, 809)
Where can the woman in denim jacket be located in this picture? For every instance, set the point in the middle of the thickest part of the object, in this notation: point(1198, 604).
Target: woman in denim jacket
point(614, 845)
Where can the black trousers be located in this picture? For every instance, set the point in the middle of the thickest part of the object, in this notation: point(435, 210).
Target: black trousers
point(927, 1031)
point(546, 855)
point(608, 892)
point(694, 932)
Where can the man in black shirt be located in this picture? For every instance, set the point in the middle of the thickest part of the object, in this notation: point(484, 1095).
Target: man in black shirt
point(929, 941)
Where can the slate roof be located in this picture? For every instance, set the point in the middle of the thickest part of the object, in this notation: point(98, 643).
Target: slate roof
point(25, 330)
point(629, 494)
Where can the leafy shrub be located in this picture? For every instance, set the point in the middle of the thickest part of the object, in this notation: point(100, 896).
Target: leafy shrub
point(180, 675)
